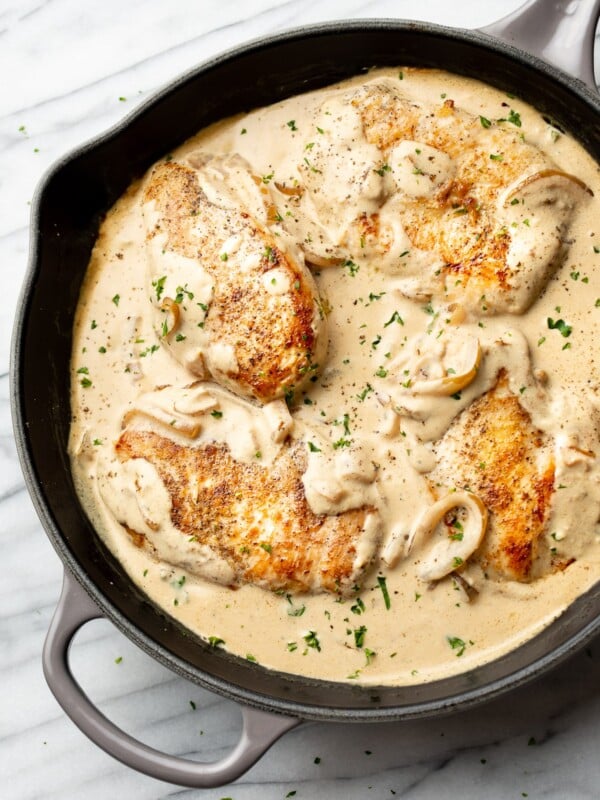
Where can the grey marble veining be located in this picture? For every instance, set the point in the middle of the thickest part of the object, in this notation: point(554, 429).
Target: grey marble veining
point(69, 71)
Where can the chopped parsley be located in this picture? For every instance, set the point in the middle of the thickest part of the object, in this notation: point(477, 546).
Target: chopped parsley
point(312, 640)
point(394, 318)
point(358, 607)
point(561, 326)
point(368, 388)
point(341, 443)
point(457, 644)
point(181, 292)
point(359, 636)
point(159, 286)
point(384, 591)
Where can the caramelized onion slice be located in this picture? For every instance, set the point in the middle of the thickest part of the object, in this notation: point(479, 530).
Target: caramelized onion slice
point(177, 410)
point(440, 369)
point(290, 191)
point(316, 260)
point(546, 175)
point(173, 312)
point(454, 382)
point(449, 552)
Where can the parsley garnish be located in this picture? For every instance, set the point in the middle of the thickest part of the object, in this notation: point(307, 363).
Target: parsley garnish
point(159, 286)
point(561, 326)
point(368, 388)
point(456, 644)
point(358, 607)
point(384, 591)
point(359, 636)
point(394, 318)
point(341, 443)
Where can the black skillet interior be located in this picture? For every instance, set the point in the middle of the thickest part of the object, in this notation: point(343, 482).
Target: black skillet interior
point(69, 208)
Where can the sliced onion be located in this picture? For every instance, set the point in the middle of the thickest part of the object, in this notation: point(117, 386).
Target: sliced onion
point(169, 306)
point(180, 423)
point(542, 175)
point(447, 554)
point(443, 385)
point(450, 384)
point(290, 191)
point(322, 261)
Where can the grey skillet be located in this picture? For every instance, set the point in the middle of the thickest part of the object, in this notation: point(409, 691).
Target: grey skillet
point(69, 204)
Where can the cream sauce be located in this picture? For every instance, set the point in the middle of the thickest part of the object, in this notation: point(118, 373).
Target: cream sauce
point(394, 379)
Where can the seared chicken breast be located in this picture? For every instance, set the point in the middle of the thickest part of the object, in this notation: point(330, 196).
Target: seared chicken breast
point(495, 452)
point(234, 301)
point(254, 518)
point(458, 206)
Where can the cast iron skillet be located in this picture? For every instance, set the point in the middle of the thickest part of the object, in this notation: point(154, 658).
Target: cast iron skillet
point(67, 211)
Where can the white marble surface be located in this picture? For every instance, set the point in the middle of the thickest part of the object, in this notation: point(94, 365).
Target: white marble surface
point(65, 67)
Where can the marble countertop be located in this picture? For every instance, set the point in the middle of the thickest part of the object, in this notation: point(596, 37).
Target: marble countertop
point(69, 71)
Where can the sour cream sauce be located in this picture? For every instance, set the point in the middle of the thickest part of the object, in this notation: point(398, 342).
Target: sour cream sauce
point(399, 630)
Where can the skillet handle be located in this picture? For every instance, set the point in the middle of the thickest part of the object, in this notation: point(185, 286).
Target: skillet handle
point(260, 728)
point(559, 31)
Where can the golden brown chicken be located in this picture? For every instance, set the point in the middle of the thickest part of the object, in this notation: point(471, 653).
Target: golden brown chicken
point(464, 207)
point(234, 302)
point(493, 450)
point(254, 518)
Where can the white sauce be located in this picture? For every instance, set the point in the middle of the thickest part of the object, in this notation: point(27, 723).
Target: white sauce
point(384, 353)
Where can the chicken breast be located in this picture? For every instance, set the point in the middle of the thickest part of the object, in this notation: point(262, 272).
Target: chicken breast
point(254, 518)
point(234, 301)
point(457, 206)
point(495, 452)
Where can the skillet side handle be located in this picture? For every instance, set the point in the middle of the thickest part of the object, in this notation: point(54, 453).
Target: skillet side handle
point(559, 31)
point(260, 728)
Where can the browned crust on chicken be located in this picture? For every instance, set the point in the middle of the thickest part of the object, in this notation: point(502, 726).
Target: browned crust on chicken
point(256, 518)
point(494, 450)
point(277, 342)
point(460, 222)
